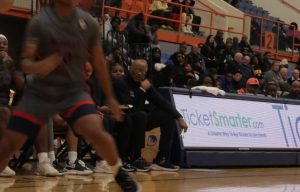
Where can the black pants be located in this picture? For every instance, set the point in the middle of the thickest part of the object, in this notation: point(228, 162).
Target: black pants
point(131, 134)
point(162, 119)
point(196, 20)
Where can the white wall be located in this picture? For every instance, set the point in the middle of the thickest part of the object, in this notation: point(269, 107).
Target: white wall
point(219, 21)
point(277, 9)
point(295, 3)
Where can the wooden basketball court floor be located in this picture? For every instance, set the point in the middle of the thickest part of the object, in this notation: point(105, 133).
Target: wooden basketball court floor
point(206, 180)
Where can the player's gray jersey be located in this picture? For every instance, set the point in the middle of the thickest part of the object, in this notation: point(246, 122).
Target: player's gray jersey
point(74, 38)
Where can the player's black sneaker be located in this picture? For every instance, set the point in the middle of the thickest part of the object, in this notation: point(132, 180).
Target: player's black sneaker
point(126, 183)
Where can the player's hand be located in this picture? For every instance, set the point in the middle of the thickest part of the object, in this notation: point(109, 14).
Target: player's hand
point(117, 113)
point(50, 64)
point(100, 115)
point(182, 124)
point(104, 109)
point(146, 84)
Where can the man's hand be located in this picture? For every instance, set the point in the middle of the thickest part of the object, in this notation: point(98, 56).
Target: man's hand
point(3, 54)
point(182, 124)
point(115, 110)
point(146, 84)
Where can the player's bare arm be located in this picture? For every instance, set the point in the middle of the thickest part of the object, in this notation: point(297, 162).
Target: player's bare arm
point(42, 67)
point(101, 72)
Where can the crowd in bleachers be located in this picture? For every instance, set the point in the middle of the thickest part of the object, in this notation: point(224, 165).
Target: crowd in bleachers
point(228, 64)
point(284, 32)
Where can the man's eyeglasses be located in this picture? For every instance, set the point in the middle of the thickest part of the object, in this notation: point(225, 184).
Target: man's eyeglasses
point(138, 70)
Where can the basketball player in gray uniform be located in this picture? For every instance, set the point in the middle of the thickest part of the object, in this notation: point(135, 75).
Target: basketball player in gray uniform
point(57, 44)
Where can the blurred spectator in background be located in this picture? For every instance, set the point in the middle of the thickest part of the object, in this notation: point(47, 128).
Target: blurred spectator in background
point(115, 37)
point(255, 32)
point(208, 51)
point(160, 9)
point(137, 33)
point(116, 70)
point(187, 17)
point(195, 59)
point(196, 20)
point(234, 65)
point(225, 56)
point(295, 91)
point(284, 72)
point(219, 39)
point(236, 83)
point(282, 44)
point(236, 45)
point(252, 87)
point(246, 68)
point(10, 79)
point(159, 78)
point(266, 62)
point(293, 37)
point(175, 13)
point(173, 60)
point(188, 78)
point(207, 80)
point(271, 90)
point(274, 75)
point(295, 77)
point(152, 34)
point(226, 82)
point(245, 46)
point(256, 66)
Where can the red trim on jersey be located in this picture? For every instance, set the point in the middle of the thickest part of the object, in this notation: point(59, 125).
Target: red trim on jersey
point(73, 109)
point(28, 117)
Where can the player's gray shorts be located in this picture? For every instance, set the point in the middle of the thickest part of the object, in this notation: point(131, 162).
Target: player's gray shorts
point(33, 111)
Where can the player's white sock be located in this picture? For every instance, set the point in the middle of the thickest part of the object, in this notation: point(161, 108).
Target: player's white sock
point(51, 155)
point(42, 157)
point(72, 156)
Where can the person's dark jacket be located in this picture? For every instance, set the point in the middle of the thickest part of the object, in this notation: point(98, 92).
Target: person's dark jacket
point(136, 30)
point(246, 48)
point(292, 96)
point(128, 92)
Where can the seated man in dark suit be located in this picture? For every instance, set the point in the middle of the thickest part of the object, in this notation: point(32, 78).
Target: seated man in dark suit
point(134, 90)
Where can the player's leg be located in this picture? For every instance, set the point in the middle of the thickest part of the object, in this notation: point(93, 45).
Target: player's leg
point(10, 143)
point(89, 126)
point(4, 118)
point(84, 120)
point(25, 122)
point(44, 165)
point(74, 165)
